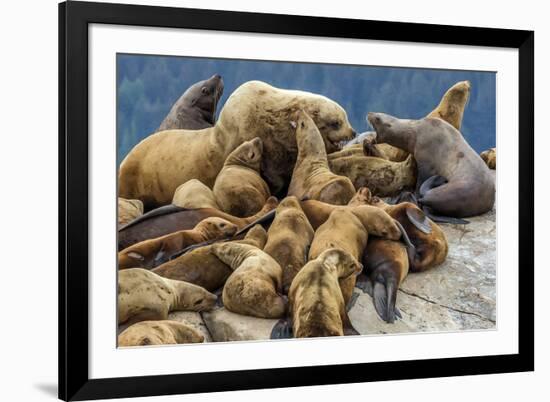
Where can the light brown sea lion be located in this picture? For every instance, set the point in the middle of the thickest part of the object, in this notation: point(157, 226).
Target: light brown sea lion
point(451, 107)
point(254, 288)
point(196, 108)
point(348, 229)
point(169, 219)
point(386, 264)
point(165, 332)
point(363, 145)
point(312, 177)
point(430, 242)
point(128, 210)
point(289, 238)
point(153, 252)
point(239, 189)
point(382, 177)
point(454, 181)
point(193, 194)
point(156, 166)
point(143, 295)
point(316, 305)
point(202, 267)
point(490, 158)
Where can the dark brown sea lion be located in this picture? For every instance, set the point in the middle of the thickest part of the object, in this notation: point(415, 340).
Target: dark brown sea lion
point(312, 177)
point(164, 332)
point(490, 158)
point(316, 305)
point(144, 295)
point(460, 184)
point(289, 238)
point(201, 267)
point(153, 252)
point(196, 108)
point(169, 219)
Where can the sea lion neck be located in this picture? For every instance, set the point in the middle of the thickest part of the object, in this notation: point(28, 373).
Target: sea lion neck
point(402, 135)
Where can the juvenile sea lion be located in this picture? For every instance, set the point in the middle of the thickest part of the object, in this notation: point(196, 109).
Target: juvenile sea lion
point(467, 187)
point(383, 177)
point(239, 190)
point(128, 210)
point(289, 238)
point(165, 332)
point(316, 305)
point(490, 158)
point(386, 265)
point(169, 219)
point(193, 194)
point(202, 267)
point(312, 177)
point(156, 166)
point(254, 288)
point(153, 252)
point(143, 295)
point(196, 108)
point(451, 107)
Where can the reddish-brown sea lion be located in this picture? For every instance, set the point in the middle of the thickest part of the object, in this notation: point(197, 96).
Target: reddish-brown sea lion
point(289, 238)
point(164, 332)
point(454, 181)
point(153, 252)
point(196, 108)
point(169, 219)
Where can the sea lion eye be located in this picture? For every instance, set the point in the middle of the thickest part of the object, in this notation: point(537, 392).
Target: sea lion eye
point(335, 125)
point(198, 302)
point(204, 90)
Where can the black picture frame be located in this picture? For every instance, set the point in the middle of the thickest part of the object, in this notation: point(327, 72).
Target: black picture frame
point(74, 18)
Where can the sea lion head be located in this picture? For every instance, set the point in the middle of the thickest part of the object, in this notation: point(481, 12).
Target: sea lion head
point(459, 92)
point(289, 202)
point(205, 95)
point(377, 222)
point(341, 262)
point(193, 297)
point(363, 196)
point(383, 124)
point(216, 228)
point(248, 154)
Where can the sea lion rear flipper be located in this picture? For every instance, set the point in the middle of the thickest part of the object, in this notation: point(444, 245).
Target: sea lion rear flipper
point(164, 210)
point(444, 219)
point(364, 283)
point(419, 219)
point(404, 196)
point(282, 330)
point(267, 217)
point(431, 182)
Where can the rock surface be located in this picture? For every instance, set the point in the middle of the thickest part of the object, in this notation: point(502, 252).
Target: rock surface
point(227, 326)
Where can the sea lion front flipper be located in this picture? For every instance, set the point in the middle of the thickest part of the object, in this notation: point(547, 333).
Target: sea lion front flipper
point(419, 219)
point(164, 210)
point(444, 219)
point(431, 182)
point(282, 330)
point(405, 237)
point(384, 298)
point(267, 217)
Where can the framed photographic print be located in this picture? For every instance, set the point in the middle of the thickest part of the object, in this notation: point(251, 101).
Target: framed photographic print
point(257, 200)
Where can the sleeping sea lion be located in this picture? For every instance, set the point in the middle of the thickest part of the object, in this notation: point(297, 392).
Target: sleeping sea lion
point(128, 210)
point(153, 252)
point(143, 295)
point(239, 189)
point(196, 108)
point(165, 332)
point(193, 194)
point(312, 177)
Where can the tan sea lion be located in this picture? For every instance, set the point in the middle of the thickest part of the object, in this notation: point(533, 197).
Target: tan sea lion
point(156, 166)
point(202, 267)
point(239, 189)
point(128, 210)
point(451, 107)
point(316, 305)
point(193, 194)
point(289, 238)
point(143, 295)
point(490, 158)
point(196, 108)
point(254, 288)
point(454, 181)
point(153, 252)
point(169, 219)
point(312, 177)
point(382, 177)
point(165, 332)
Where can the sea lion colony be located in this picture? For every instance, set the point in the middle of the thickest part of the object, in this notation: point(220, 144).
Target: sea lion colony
point(213, 224)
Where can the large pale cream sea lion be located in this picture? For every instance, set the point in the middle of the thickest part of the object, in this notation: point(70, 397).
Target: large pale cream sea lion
point(255, 286)
point(239, 189)
point(193, 194)
point(316, 305)
point(164, 332)
point(128, 210)
point(144, 295)
point(156, 166)
point(289, 238)
point(153, 252)
point(312, 177)
point(196, 108)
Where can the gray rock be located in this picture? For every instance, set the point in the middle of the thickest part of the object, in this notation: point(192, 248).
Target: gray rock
point(226, 326)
